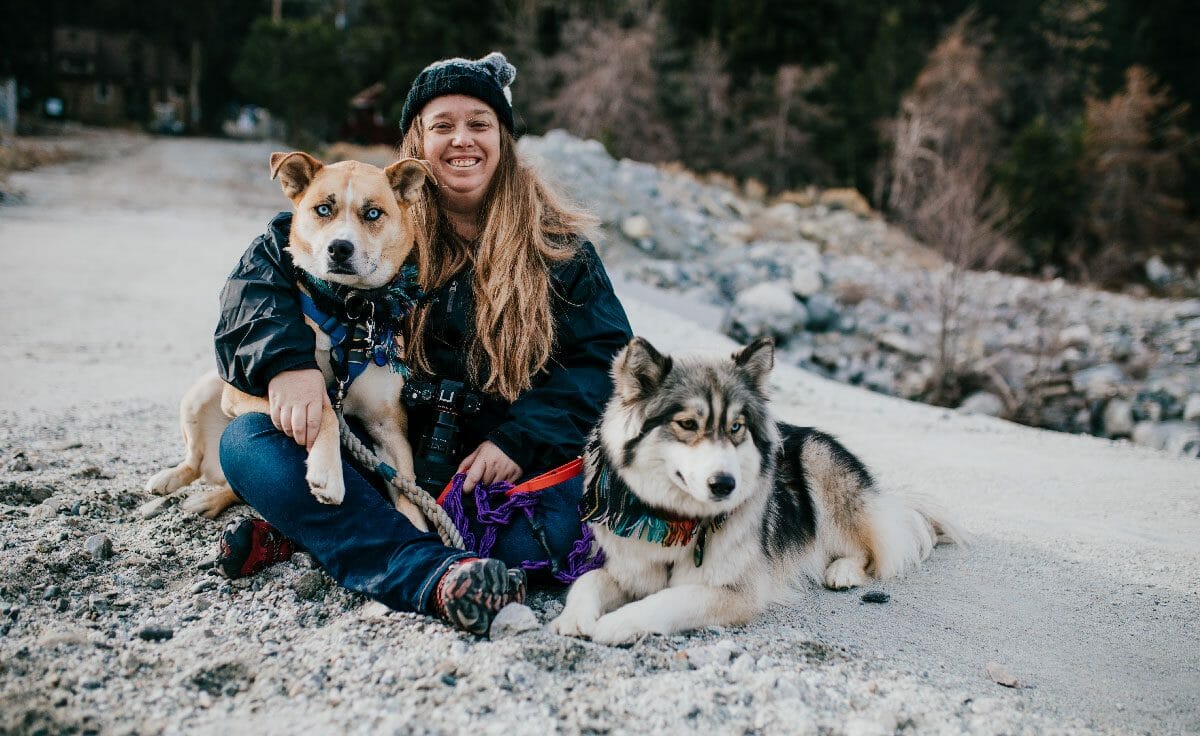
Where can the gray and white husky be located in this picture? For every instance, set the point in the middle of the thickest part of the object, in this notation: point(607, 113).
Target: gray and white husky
point(708, 510)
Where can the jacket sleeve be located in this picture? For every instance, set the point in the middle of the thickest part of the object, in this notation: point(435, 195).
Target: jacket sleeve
point(549, 424)
point(261, 331)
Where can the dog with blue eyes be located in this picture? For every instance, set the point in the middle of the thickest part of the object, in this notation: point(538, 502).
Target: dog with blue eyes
point(352, 234)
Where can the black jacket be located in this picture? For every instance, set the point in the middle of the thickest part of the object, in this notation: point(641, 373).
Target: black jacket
point(261, 333)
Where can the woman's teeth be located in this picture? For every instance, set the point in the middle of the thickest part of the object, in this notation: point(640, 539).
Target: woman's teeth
point(462, 163)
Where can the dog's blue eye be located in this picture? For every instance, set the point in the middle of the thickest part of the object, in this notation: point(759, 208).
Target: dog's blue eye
point(324, 210)
point(735, 428)
point(372, 215)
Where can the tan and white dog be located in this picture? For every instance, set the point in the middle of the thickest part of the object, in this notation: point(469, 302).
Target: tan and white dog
point(353, 227)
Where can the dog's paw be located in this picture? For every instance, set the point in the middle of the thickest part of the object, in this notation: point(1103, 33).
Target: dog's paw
point(844, 573)
point(210, 503)
point(616, 628)
point(169, 480)
point(326, 486)
point(573, 623)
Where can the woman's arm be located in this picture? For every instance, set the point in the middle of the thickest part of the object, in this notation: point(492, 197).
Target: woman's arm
point(263, 346)
point(549, 424)
point(261, 331)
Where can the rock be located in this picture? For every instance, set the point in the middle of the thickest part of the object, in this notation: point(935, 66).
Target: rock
point(875, 596)
point(1157, 271)
point(806, 281)
point(153, 507)
point(1075, 336)
point(93, 472)
point(203, 586)
point(20, 462)
point(155, 633)
point(718, 654)
point(1191, 408)
point(1099, 382)
point(902, 344)
point(765, 309)
point(310, 586)
point(1118, 418)
point(514, 619)
point(983, 402)
point(822, 312)
point(1174, 437)
point(637, 227)
point(99, 546)
point(1002, 676)
point(846, 198)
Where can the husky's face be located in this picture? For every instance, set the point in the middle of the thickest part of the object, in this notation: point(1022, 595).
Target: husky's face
point(691, 434)
point(352, 224)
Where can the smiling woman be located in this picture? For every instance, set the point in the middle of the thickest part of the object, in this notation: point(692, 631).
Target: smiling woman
point(515, 337)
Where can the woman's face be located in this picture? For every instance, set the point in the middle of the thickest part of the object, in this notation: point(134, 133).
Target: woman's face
point(462, 143)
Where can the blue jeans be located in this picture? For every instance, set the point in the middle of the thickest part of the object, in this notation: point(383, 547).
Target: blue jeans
point(364, 543)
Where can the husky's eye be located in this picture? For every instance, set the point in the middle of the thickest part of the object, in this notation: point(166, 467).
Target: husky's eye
point(324, 210)
point(372, 215)
point(687, 425)
point(735, 427)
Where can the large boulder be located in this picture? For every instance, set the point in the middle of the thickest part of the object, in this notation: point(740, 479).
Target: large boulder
point(766, 309)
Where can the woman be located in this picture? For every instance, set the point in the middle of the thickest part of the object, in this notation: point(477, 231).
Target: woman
point(520, 312)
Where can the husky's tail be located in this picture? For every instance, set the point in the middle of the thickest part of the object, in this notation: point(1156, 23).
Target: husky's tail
point(904, 531)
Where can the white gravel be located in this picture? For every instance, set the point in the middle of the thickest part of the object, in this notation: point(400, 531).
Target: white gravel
point(1082, 584)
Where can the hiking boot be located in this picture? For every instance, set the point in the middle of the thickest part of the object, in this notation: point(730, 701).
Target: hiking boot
point(473, 590)
point(248, 546)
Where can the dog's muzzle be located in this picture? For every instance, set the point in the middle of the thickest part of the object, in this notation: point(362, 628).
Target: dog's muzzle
point(340, 253)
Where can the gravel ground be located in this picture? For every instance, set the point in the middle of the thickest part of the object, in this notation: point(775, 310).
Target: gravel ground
point(1082, 586)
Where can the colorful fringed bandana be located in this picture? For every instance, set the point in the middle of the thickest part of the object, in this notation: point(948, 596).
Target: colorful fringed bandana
point(608, 501)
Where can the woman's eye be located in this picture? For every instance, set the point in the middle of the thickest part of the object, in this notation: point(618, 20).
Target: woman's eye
point(324, 210)
point(688, 425)
point(372, 215)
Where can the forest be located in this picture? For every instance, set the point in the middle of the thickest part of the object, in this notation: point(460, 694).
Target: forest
point(1048, 137)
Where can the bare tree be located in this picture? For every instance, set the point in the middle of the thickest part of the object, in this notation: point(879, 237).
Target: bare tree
point(610, 88)
point(777, 118)
point(1133, 152)
point(938, 178)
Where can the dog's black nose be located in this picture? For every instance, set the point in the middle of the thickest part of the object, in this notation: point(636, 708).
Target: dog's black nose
point(341, 250)
point(721, 485)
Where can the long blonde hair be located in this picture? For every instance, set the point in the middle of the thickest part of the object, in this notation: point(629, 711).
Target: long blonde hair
point(524, 228)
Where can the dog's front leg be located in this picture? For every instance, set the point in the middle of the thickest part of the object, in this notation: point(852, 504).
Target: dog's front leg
point(675, 609)
point(325, 461)
point(591, 596)
point(373, 398)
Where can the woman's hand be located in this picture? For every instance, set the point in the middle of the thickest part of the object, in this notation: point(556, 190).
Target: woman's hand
point(297, 399)
point(488, 464)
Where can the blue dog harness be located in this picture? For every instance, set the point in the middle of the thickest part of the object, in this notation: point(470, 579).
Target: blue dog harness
point(362, 324)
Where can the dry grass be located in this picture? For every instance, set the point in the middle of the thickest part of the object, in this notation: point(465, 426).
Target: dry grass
point(23, 155)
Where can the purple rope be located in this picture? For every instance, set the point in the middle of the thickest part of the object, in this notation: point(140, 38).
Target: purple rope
point(580, 559)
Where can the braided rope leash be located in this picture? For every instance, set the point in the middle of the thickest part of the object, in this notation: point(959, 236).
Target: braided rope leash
point(446, 529)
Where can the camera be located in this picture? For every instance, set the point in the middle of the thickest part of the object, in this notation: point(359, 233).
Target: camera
point(440, 444)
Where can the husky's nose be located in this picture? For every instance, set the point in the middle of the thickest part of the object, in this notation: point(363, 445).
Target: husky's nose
point(341, 250)
point(721, 485)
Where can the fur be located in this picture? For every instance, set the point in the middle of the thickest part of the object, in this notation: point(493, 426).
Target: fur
point(362, 213)
point(692, 437)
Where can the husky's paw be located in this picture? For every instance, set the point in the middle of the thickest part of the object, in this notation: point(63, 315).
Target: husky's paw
point(169, 480)
point(844, 573)
point(326, 486)
point(209, 504)
point(573, 622)
point(617, 628)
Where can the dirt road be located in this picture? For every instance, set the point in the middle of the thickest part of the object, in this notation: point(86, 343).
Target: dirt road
point(1084, 581)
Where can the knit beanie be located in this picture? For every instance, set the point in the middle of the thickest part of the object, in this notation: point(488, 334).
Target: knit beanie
point(486, 79)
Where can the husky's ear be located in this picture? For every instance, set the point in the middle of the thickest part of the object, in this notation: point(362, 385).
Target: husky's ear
point(638, 370)
point(295, 171)
point(407, 176)
point(756, 360)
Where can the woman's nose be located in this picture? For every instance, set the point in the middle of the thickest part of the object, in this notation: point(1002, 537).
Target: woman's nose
point(462, 137)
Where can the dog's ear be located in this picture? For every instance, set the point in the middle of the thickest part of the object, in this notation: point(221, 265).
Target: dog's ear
point(756, 360)
point(639, 369)
point(295, 171)
point(407, 176)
